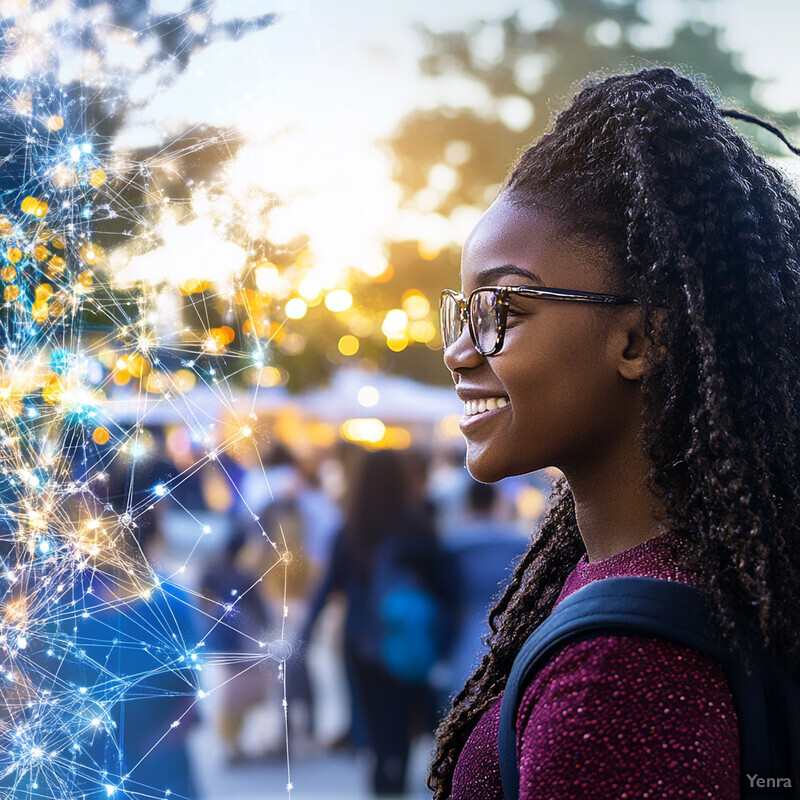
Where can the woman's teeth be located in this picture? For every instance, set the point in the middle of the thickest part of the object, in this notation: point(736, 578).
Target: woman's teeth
point(472, 407)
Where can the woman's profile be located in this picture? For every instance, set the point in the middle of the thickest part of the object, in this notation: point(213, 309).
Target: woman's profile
point(630, 314)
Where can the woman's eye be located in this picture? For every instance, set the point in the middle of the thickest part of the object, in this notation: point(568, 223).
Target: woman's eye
point(515, 310)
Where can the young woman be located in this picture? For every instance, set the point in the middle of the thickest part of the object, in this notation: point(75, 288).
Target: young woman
point(642, 335)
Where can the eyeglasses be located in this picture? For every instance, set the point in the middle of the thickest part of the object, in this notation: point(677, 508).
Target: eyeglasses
point(486, 311)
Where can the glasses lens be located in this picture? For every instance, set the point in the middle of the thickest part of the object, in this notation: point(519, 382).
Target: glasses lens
point(483, 312)
point(450, 317)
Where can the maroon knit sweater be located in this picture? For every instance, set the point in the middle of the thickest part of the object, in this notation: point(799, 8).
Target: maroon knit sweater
point(616, 716)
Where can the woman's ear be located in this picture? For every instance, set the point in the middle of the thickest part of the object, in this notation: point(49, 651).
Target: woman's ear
point(636, 348)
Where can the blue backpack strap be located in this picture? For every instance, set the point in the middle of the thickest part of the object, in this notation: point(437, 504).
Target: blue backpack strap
point(671, 611)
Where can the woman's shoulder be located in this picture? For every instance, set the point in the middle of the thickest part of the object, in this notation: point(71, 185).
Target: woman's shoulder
point(608, 670)
point(642, 706)
point(643, 687)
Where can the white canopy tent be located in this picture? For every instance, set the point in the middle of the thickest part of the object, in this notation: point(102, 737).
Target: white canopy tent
point(352, 393)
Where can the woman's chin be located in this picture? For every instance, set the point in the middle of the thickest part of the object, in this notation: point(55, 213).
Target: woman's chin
point(486, 470)
point(484, 466)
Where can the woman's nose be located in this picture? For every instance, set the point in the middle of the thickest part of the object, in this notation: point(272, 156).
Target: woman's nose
point(461, 354)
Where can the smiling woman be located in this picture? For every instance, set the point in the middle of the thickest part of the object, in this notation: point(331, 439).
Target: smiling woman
point(631, 317)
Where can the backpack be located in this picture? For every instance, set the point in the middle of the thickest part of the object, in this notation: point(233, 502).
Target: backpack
point(408, 617)
point(767, 701)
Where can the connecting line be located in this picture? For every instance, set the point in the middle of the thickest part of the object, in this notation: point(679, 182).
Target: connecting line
point(289, 785)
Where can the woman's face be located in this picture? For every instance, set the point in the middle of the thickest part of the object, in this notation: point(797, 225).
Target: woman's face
point(558, 367)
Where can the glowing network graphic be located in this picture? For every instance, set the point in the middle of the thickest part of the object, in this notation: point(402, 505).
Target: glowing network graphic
point(103, 657)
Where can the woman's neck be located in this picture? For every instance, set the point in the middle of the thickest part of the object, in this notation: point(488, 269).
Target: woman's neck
point(614, 507)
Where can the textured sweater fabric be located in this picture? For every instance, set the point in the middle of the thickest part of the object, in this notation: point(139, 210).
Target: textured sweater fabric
point(616, 716)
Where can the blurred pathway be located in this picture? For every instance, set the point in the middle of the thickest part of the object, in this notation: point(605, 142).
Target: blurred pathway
point(325, 776)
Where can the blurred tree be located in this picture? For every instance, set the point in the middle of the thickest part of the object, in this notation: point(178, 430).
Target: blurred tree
point(450, 160)
point(74, 75)
point(110, 59)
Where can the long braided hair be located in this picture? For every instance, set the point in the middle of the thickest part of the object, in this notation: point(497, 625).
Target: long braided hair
point(707, 237)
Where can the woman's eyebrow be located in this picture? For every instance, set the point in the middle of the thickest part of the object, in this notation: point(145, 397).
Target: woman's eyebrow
point(489, 276)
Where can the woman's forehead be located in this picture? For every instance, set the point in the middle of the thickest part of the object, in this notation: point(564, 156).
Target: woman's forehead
point(526, 245)
point(506, 235)
point(506, 223)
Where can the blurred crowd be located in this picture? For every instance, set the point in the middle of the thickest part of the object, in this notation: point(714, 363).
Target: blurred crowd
point(379, 565)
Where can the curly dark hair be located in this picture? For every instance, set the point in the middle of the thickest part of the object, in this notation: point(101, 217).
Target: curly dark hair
point(706, 235)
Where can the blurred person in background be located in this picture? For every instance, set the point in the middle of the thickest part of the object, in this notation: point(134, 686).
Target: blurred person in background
point(132, 691)
point(295, 512)
point(447, 487)
point(236, 620)
point(419, 468)
point(169, 622)
point(388, 563)
point(300, 518)
point(483, 549)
